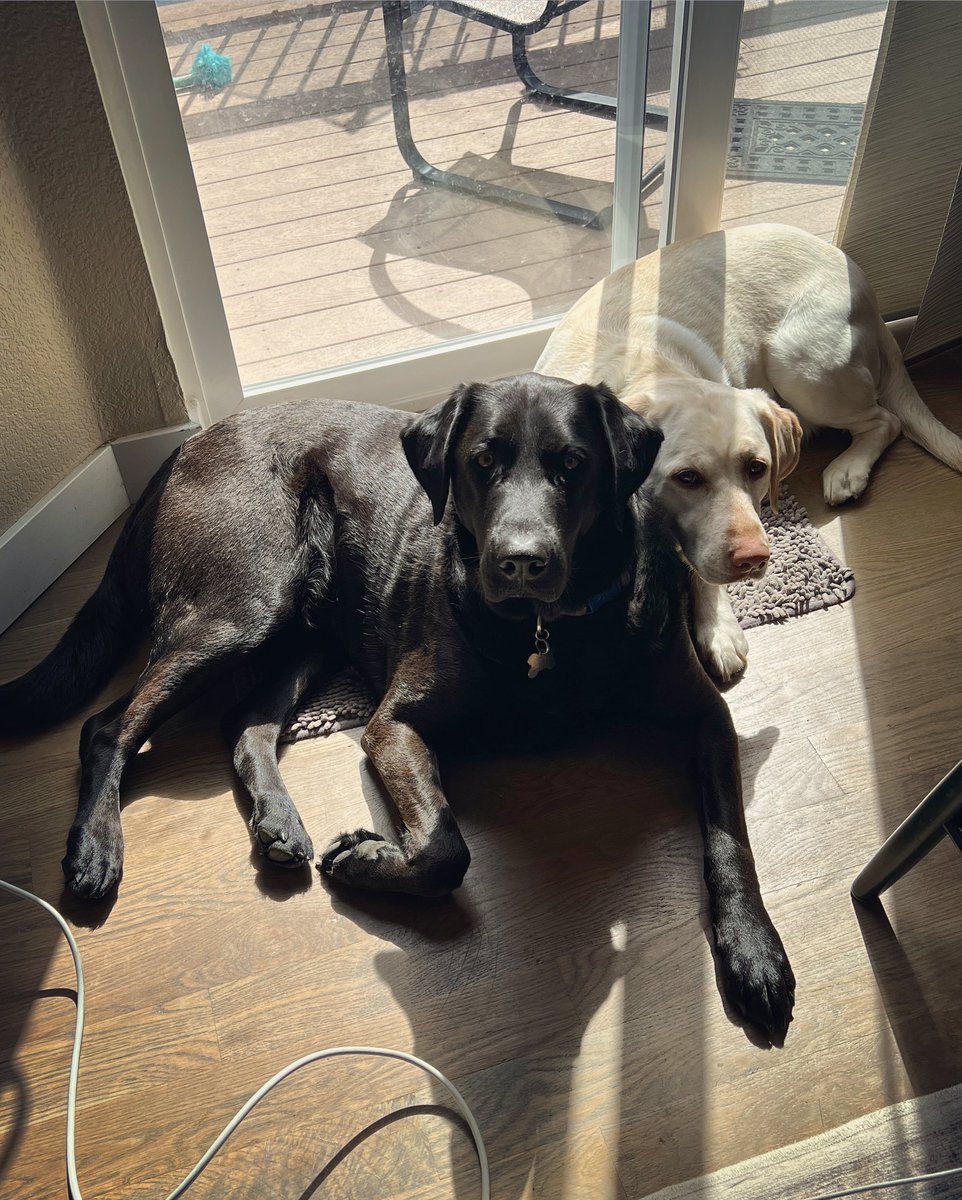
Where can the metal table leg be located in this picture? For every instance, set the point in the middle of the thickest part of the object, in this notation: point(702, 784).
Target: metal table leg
point(938, 814)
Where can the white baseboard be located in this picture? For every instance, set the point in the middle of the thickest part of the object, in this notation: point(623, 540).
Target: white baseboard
point(58, 529)
point(901, 329)
point(139, 455)
point(47, 539)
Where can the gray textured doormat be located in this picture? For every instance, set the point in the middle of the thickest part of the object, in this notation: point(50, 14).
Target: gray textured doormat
point(791, 142)
point(803, 576)
point(915, 1137)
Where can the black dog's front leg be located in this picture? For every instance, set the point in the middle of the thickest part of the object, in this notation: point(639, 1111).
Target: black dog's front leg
point(756, 974)
point(432, 857)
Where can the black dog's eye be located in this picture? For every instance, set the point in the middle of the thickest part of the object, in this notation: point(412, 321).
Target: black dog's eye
point(689, 479)
point(756, 468)
point(571, 462)
point(485, 460)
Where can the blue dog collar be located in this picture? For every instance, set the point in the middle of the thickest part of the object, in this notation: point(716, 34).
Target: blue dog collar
point(610, 593)
point(543, 658)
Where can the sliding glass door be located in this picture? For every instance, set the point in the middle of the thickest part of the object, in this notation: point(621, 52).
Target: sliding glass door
point(376, 180)
point(373, 199)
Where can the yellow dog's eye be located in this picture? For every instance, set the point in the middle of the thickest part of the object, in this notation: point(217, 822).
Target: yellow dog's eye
point(571, 462)
point(485, 460)
point(688, 479)
point(756, 468)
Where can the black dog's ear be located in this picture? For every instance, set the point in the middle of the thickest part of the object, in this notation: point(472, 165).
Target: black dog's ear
point(429, 442)
point(632, 441)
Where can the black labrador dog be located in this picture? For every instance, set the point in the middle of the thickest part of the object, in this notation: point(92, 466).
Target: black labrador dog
point(536, 589)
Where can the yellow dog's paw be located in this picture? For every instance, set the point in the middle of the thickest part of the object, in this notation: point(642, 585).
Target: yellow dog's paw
point(843, 483)
point(724, 650)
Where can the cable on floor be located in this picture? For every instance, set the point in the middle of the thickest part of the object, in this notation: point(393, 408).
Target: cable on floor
point(191, 1178)
point(336, 1052)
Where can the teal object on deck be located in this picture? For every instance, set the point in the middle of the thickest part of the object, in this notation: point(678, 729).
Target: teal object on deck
point(211, 71)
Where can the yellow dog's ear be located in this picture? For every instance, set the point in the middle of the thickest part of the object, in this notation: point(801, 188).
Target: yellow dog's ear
point(784, 433)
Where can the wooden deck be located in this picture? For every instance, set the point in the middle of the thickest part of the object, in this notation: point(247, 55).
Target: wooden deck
point(328, 252)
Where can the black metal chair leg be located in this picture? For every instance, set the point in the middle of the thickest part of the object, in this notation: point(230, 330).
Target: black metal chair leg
point(937, 815)
point(394, 12)
point(656, 117)
point(585, 101)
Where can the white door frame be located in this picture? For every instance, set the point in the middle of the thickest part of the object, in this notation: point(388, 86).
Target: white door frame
point(127, 48)
point(704, 66)
point(632, 96)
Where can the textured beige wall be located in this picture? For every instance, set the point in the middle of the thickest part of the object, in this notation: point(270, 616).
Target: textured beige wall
point(82, 353)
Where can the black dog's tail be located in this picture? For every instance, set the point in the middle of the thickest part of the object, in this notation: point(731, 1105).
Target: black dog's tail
point(100, 635)
point(78, 666)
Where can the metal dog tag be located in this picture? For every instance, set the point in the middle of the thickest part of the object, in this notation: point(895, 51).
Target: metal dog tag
point(543, 657)
point(538, 663)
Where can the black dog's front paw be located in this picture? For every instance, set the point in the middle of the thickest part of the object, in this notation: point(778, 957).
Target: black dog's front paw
point(756, 974)
point(282, 838)
point(362, 859)
point(366, 860)
point(94, 860)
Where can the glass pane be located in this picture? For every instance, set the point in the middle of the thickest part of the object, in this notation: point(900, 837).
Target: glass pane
point(329, 249)
point(803, 79)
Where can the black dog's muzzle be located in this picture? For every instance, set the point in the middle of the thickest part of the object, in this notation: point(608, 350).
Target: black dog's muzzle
point(522, 567)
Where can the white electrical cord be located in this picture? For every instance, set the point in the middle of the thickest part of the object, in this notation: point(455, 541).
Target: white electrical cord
point(888, 1183)
point(336, 1052)
point(259, 1095)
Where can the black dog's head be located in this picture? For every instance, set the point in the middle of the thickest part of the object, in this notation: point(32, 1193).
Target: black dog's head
point(533, 464)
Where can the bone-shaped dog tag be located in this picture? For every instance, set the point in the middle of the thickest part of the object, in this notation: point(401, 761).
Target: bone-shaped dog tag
point(543, 657)
point(539, 662)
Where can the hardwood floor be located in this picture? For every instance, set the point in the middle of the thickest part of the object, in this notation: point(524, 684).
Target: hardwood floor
point(568, 988)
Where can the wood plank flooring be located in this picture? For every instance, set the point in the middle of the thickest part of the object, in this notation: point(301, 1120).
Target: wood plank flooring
point(568, 988)
point(326, 250)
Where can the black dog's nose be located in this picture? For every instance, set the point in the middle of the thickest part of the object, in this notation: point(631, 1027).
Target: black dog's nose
point(522, 567)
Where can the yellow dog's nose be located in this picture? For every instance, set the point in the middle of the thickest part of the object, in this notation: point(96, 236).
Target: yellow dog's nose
point(749, 555)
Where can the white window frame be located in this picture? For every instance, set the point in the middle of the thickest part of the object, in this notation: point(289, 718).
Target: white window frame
point(127, 49)
point(704, 67)
point(126, 45)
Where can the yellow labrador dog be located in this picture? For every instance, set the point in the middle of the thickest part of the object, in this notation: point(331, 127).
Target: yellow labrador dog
point(705, 338)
